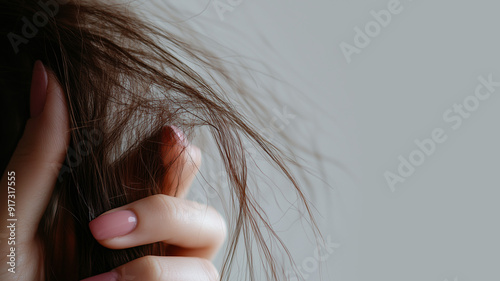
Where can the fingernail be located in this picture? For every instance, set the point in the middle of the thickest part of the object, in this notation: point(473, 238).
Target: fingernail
point(180, 137)
point(114, 224)
point(108, 276)
point(38, 93)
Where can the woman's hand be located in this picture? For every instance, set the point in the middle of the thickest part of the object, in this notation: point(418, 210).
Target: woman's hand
point(29, 179)
point(196, 231)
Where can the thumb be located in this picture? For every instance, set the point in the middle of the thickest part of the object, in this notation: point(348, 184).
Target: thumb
point(40, 152)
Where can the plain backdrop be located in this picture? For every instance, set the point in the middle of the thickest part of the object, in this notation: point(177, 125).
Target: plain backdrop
point(367, 111)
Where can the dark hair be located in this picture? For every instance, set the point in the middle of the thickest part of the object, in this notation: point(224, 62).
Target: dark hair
point(125, 80)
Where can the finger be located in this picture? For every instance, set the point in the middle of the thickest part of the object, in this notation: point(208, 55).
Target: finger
point(40, 151)
point(151, 268)
point(183, 160)
point(198, 229)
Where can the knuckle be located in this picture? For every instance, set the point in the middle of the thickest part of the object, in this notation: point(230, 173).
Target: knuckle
point(197, 211)
point(221, 224)
point(223, 229)
point(152, 267)
point(208, 269)
point(170, 208)
point(163, 203)
point(220, 221)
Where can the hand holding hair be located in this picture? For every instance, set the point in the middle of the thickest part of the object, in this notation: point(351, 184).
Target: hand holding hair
point(113, 208)
point(193, 232)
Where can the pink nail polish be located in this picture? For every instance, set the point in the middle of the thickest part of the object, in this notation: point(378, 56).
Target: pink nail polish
point(108, 276)
point(114, 224)
point(38, 93)
point(181, 138)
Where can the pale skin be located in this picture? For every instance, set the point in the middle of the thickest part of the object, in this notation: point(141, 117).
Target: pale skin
point(196, 230)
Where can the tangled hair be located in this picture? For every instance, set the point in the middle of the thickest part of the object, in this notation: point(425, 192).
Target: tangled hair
point(125, 81)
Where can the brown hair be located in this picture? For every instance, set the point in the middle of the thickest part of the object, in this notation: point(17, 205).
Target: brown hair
point(124, 80)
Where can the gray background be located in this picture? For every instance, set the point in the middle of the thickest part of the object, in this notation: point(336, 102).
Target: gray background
point(441, 222)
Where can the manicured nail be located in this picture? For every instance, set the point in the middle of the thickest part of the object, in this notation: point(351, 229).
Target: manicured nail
point(108, 276)
point(38, 93)
point(180, 137)
point(114, 224)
